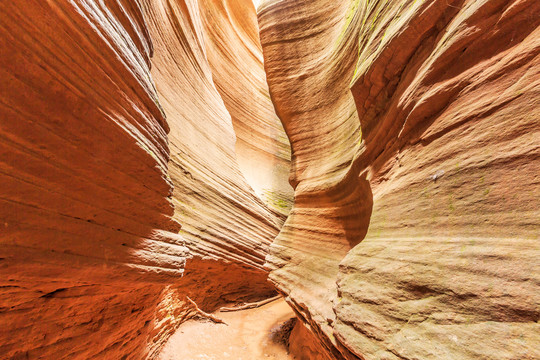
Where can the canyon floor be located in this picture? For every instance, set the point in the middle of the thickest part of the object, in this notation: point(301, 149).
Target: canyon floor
point(248, 334)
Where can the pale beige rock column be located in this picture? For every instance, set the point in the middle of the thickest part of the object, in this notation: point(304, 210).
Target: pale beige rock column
point(310, 53)
point(235, 56)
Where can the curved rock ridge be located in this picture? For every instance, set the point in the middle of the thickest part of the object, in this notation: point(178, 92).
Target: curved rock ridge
point(221, 216)
point(423, 117)
point(310, 51)
point(91, 261)
point(235, 56)
point(87, 237)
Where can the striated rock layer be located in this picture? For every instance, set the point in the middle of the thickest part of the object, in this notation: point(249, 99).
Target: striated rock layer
point(235, 56)
point(91, 262)
point(88, 237)
point(221, 216)
point(421, 120)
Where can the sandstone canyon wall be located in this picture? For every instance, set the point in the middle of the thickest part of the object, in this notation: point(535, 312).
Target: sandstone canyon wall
point(113, 133)
point(142, 162)
point(235, 55)
point(222, 218)
point(421, 119)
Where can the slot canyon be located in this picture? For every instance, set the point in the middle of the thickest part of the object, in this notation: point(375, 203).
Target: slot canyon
point(275, 179)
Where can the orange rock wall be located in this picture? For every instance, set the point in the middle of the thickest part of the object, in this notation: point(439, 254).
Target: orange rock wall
point(104, 107)
point(87, 233)
point(421, 120)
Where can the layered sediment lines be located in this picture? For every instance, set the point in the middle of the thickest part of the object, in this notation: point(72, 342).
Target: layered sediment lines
point(310, 55)
point(226, 226)
point(91, 261)
point(222, 218)
point(423, 117)
point(87, 230)
point(235, 57)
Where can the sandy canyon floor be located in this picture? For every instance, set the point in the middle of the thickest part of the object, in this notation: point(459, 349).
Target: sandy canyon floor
point(249, 335)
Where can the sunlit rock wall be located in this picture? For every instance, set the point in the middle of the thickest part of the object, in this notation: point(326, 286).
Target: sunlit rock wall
point(421, 119)
point(235, 56)
point(104, 106)
point(223, 220)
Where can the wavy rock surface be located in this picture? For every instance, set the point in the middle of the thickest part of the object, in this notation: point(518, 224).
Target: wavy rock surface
point(221, 216)
point(87, 231)
point(235, 56)
point(421, 120)
point(90, 257)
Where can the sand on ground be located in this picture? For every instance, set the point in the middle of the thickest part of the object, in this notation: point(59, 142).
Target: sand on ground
point(246, 337)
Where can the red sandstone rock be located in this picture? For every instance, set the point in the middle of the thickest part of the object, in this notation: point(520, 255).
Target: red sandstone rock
point(90, 258)
point(442, 121)
point(415, 158)
point(87, 231)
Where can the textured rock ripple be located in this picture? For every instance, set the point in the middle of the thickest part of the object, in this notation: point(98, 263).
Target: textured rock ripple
point(419, 118)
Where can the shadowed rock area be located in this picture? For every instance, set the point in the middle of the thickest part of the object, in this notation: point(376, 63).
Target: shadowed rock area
point(376, 163)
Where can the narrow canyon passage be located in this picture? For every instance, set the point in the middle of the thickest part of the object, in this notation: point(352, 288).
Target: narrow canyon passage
point(374, 164)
